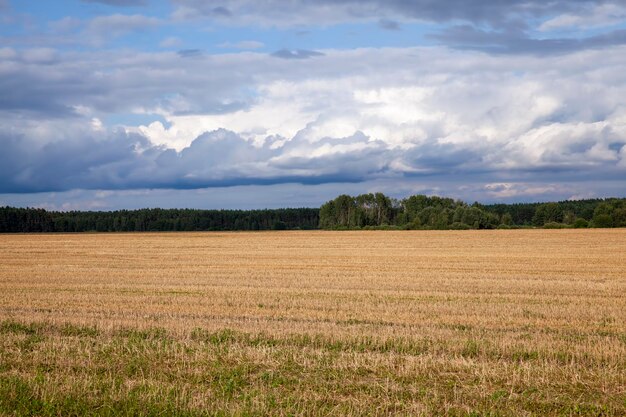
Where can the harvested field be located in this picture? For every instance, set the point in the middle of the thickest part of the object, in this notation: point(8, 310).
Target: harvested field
point(467, 323)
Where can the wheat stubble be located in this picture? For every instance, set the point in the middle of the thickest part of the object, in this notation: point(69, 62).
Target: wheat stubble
point(519, 322)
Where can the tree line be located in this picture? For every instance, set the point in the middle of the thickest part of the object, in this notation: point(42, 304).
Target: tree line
point(424, 212)
point(24, 220)
point(365, 211)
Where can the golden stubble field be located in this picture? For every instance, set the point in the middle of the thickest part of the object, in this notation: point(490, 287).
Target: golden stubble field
point(519, 322)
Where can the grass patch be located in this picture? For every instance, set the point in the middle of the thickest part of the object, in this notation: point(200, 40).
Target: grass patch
point(525, 355)
point(72, 330)
point(135, 335)
point(229, 372)
point(15, 327)
point(471, 349)
point(399, 345)
point(22, 397)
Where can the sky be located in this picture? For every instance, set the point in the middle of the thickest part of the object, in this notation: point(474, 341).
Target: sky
point(111, 104)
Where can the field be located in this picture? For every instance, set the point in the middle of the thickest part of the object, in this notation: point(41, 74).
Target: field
point(468, 323)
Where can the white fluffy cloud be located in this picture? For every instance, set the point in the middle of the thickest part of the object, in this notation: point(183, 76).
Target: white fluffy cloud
point(359, 116)
point(512, 111)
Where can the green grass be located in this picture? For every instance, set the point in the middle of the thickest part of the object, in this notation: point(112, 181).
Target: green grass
point(69, 370)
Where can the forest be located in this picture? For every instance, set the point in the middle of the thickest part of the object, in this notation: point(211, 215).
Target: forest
point(24, 220)
point(366, 211)
point(439, 213)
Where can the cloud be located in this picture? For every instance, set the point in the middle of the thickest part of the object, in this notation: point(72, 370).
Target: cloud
point(189, 53)
point(435, 115)
point(221, 11)
point(71, 32)
point(7, 53)
point(120, 23)
point(518, 26)
point(103, 28)
point(113, 82)
point(388, 24)
point(325, 12)
point(515, 42)
point(119, 160)
point(512, 190)
point(299, 195)
point(90, 157)
point(189, 10)
point(118, 2)
point(65, 25)
point(593, 16)
point(296, 54)
point(513, 98)
point(567, 146)
point(71, 161)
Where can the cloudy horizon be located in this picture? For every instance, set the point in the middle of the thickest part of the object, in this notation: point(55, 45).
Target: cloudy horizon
point(110, 104)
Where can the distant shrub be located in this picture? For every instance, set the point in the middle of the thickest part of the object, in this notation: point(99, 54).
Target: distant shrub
point(279, 225)
point(602, 220)
point(555, 225)
point(381, 227)
point(504, 226)
point(580, 223)
point(459, 226)
point(341, 228)
point(388, 227)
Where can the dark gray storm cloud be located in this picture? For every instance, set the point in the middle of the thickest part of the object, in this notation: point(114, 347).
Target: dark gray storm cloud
point(516, 42)
point(118, 160)
point(68, 162)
